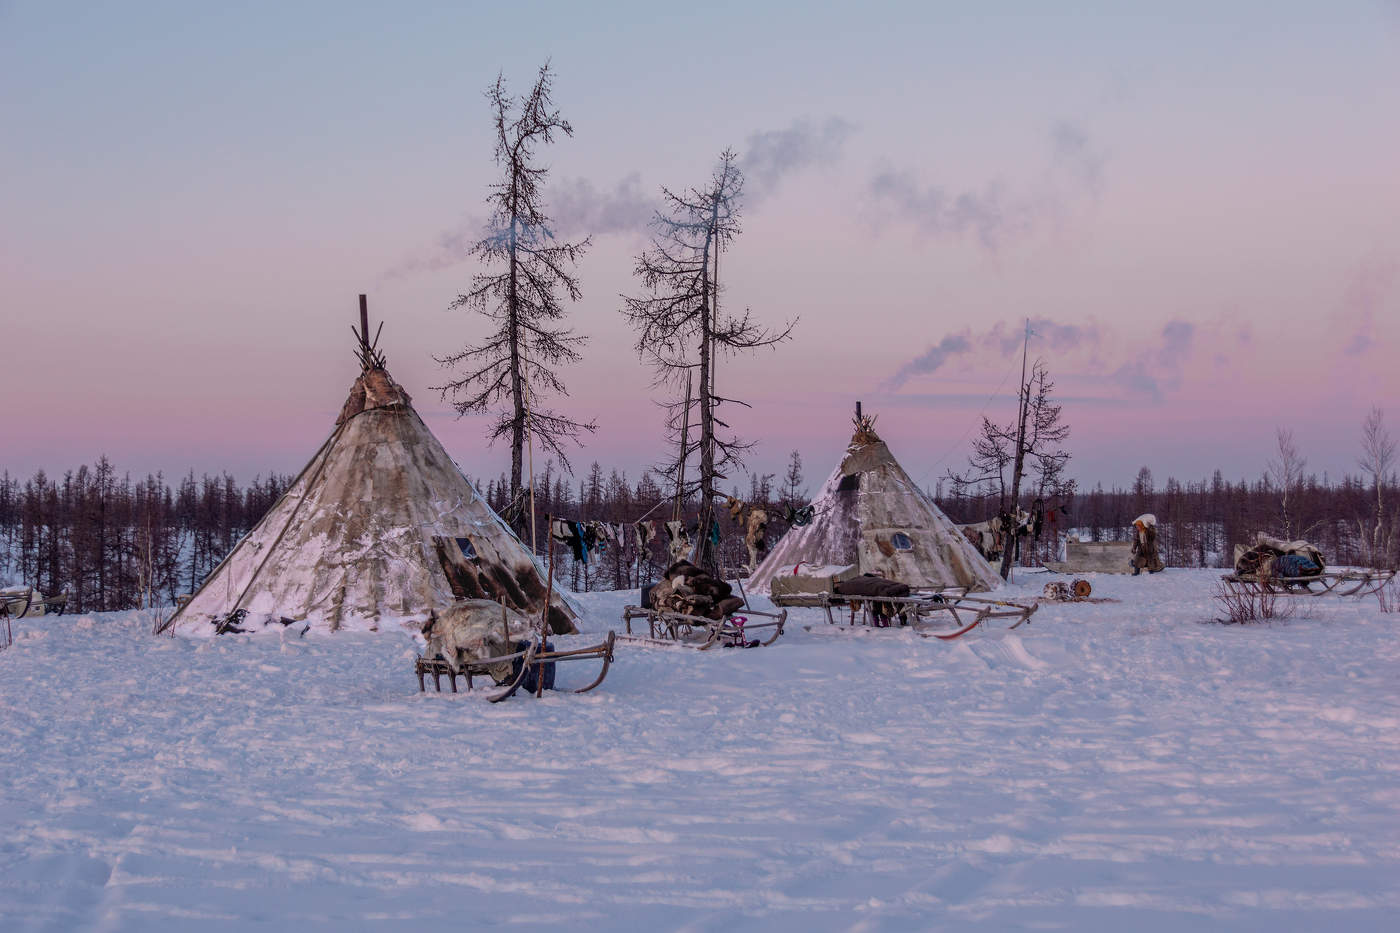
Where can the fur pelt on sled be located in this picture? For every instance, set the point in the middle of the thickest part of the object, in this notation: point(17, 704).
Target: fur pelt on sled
point(687, 589)
point(872, 585)
point(1259, 557)
point(472, 631)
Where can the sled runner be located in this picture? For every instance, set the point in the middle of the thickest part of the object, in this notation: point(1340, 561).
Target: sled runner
point(531, 668)
point(920, 609)
point(691, 631)
point(1356, 583)
point(880, 611)
point(831, 603)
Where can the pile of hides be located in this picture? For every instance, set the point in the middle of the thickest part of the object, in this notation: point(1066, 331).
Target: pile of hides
point(871, 585)
point(687, 589)
point(473, 631)
point(1272, 557)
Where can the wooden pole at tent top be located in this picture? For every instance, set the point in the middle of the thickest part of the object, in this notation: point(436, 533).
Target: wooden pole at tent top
point(364, 324)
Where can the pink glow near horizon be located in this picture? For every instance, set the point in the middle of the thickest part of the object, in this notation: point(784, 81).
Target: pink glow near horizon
point(1219, 225)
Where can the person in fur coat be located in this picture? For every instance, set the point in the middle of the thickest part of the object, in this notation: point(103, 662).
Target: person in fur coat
point(1145, 554)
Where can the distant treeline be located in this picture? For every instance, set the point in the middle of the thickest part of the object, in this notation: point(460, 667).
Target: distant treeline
point(115, 542)
point(1201, 522)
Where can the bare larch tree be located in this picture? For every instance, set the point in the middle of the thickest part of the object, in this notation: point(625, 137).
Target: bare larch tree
point(1032, 441)
point(1286, 472)
point(528, 268)
point(681, 332)
point(1377, 460)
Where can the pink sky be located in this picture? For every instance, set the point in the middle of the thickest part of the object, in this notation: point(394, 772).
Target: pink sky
point(191, 214)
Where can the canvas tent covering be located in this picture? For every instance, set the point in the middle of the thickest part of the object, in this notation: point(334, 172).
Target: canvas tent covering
point(380, 527)
point(872, 517)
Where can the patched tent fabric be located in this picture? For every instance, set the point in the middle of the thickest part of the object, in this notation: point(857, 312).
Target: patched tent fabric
point(379, 528)
point(871, 516)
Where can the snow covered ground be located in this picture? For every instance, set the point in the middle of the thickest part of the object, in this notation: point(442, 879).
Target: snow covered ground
point(1108, 767)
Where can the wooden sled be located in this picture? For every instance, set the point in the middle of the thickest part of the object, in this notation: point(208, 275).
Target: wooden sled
point(14, 604)
point(966, 612)
point(8, 602)
point(1357, 583)
point(830, 602)
point(702, 633)
point(530, 657)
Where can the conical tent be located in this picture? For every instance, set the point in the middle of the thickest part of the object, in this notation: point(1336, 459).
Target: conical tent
point(871, 515)
point(380, 527)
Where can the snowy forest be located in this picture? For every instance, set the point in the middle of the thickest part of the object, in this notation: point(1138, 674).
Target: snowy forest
point(117, 542)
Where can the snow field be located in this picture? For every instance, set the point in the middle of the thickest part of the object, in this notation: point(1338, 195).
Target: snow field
point(1107, 767)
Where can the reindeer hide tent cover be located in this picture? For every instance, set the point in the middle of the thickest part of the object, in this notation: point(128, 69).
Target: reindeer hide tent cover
point(380, 527)
point(871, 516)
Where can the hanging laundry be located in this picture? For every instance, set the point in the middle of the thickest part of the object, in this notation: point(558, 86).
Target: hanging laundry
point(756, 537)
point(644, 532)
point(588, 535)
point(735, 508)
point(571, 534)
point(679, 537)
point(559, 529)
point(604, 532)
point(799, 516)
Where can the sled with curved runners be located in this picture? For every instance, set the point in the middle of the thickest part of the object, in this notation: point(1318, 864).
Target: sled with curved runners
point(678, 629)
point(831, 603)
point(531, 661)
point(1357, 583)
point(9, 600)
point(18, 602)
point(920, 610)
point(15, 603)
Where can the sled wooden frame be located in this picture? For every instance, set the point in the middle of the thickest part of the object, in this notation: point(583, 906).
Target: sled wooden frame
point(1356, 583)
point(52, 605)
point(826, 600)
point(7, 637)
point(6, 600)
point(982, 610)
point(679, 629)
point(437, 667)
point(928, 602)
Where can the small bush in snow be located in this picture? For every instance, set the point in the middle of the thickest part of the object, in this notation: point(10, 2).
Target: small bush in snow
point(1249, 605)
point(1389, 597)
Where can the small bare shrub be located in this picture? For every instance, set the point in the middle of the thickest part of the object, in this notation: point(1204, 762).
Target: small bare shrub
point(1389, 597)
point(1250, 604)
